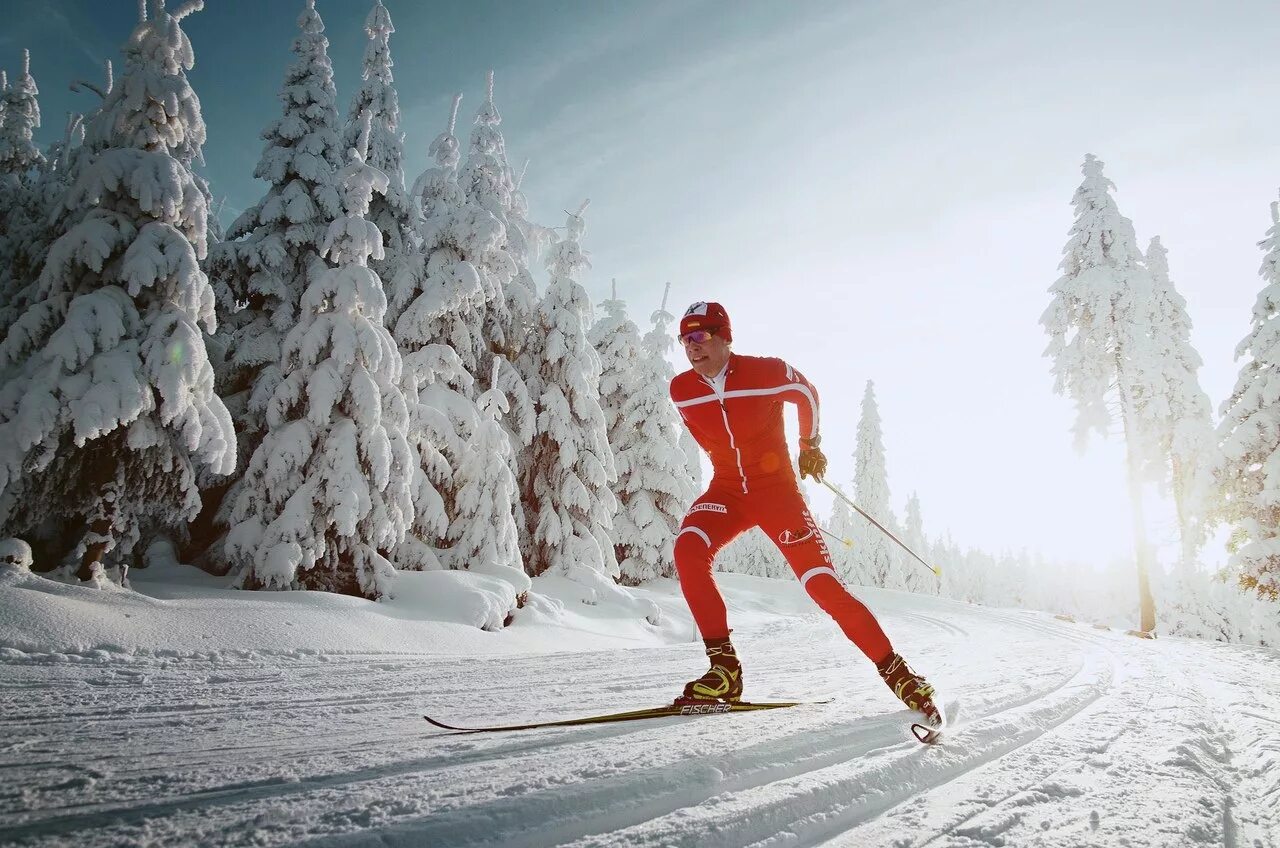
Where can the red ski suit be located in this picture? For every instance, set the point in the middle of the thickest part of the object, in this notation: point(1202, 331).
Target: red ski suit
point(739, 425)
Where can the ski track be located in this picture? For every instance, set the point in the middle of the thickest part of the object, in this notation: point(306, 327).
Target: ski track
point(1062, 730)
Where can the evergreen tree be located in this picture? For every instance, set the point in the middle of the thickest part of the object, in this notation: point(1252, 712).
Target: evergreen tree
point(19, 156)
point(915, 577)
point(327, 494)
point(567, 495)
point(436, 291)
point(1185, 431)
point(391, 211)
point(847, 562)
point(485, 526)
point(753, 553)
point(23, 227)
point(489, 182)
point(871, 493)
point(657, 345)
point(1101, 338)
point(115, 404)
point(274, 255)
point(1250, 436)
point(653, 487)
point(510, 300)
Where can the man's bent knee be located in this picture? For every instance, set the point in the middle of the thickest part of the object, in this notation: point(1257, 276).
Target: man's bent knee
point(693, 549)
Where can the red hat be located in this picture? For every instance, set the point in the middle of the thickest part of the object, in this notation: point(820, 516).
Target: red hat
point(707, 316)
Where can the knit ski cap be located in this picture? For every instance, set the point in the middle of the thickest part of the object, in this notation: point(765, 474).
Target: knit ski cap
point(707, 316)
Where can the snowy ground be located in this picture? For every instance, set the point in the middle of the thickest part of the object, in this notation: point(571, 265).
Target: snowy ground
point(191, 715)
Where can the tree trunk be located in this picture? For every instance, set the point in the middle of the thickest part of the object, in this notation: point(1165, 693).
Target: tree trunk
point(1146, 603)
point(101, 476)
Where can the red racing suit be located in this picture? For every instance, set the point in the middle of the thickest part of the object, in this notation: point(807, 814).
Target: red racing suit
point(739, 425)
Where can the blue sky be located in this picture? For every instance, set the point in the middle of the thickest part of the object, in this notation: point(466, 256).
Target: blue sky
point(875, 190)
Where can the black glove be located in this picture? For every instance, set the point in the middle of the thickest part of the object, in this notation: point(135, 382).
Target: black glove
point(812, 460)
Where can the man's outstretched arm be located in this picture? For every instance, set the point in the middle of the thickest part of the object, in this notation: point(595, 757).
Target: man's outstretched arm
point(804, 395)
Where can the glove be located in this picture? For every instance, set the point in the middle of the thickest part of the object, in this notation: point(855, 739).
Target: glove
point(812, 461)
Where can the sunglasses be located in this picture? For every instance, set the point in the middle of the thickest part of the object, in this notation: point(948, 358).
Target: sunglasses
point(697, 337)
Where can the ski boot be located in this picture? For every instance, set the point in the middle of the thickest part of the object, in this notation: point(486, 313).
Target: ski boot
point(912, 689)
point(721, 683)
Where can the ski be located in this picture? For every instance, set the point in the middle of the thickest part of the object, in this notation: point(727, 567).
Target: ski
point(926, 733)
point(929, 733)
point(668, 711)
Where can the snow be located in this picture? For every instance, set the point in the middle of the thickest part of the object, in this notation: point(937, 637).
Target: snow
point(182, 711)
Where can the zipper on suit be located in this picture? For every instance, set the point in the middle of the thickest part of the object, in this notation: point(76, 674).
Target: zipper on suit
point(724, 413)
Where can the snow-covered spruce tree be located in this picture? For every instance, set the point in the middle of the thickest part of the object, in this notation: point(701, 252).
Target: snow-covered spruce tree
point(327, 494)
point(510, 300)
point(847, 563)
point(488, 181)
point(915, 577)
point(33, 224)
point(1249, 434)
point(486, 536)
point(1180, 407)
point(273, 252)
point(753, 553)
point(871, 493)
point(20, 159)
point(391, 211)
point(507, 313)
point(568, 502)
point(435, 292)
point(653, 488)
point(115, 402)
point(657, 346)
point(1100, 340)
point(22, 215)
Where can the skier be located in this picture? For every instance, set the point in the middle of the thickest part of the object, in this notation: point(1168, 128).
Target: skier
point(732, 404)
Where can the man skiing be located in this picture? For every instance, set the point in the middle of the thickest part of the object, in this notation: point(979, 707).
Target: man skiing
point(732, 405)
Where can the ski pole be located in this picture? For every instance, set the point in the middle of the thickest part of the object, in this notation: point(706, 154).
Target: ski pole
point(848, 543)
point(842, 496)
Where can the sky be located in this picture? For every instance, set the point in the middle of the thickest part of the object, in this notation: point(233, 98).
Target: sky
point(876, 191)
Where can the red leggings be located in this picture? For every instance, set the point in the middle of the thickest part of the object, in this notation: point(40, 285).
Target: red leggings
point(722, 513)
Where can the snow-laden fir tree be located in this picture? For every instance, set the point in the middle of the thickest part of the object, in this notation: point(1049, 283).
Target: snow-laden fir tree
point(437, 289)
point(327, 494)
point(525, 242)
point(1249, 435)
point(915, 577)
point(38, 216)
point(19, 156)
point(22, 213)
point(653, 488)
point(847, 563)
point(273, 252)
point(871, 493)
point(509, 297)
point(1186, 445)
point(657, 346)
point(391, 211)
point(115, 404)
point(488, 180)
point(1100, 340)
point(568, 502)
point(486, 537)
point(753, 553)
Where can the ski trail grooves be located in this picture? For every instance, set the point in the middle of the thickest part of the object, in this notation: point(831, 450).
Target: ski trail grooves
point(812, 805)
point(609, 806)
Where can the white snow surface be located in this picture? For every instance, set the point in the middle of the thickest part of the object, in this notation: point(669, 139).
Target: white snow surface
point(184, 712)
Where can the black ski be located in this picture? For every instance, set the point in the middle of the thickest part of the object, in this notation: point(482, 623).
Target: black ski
point(668, 711)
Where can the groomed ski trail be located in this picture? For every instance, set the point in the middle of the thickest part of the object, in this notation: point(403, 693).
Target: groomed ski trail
point(1069, 736)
